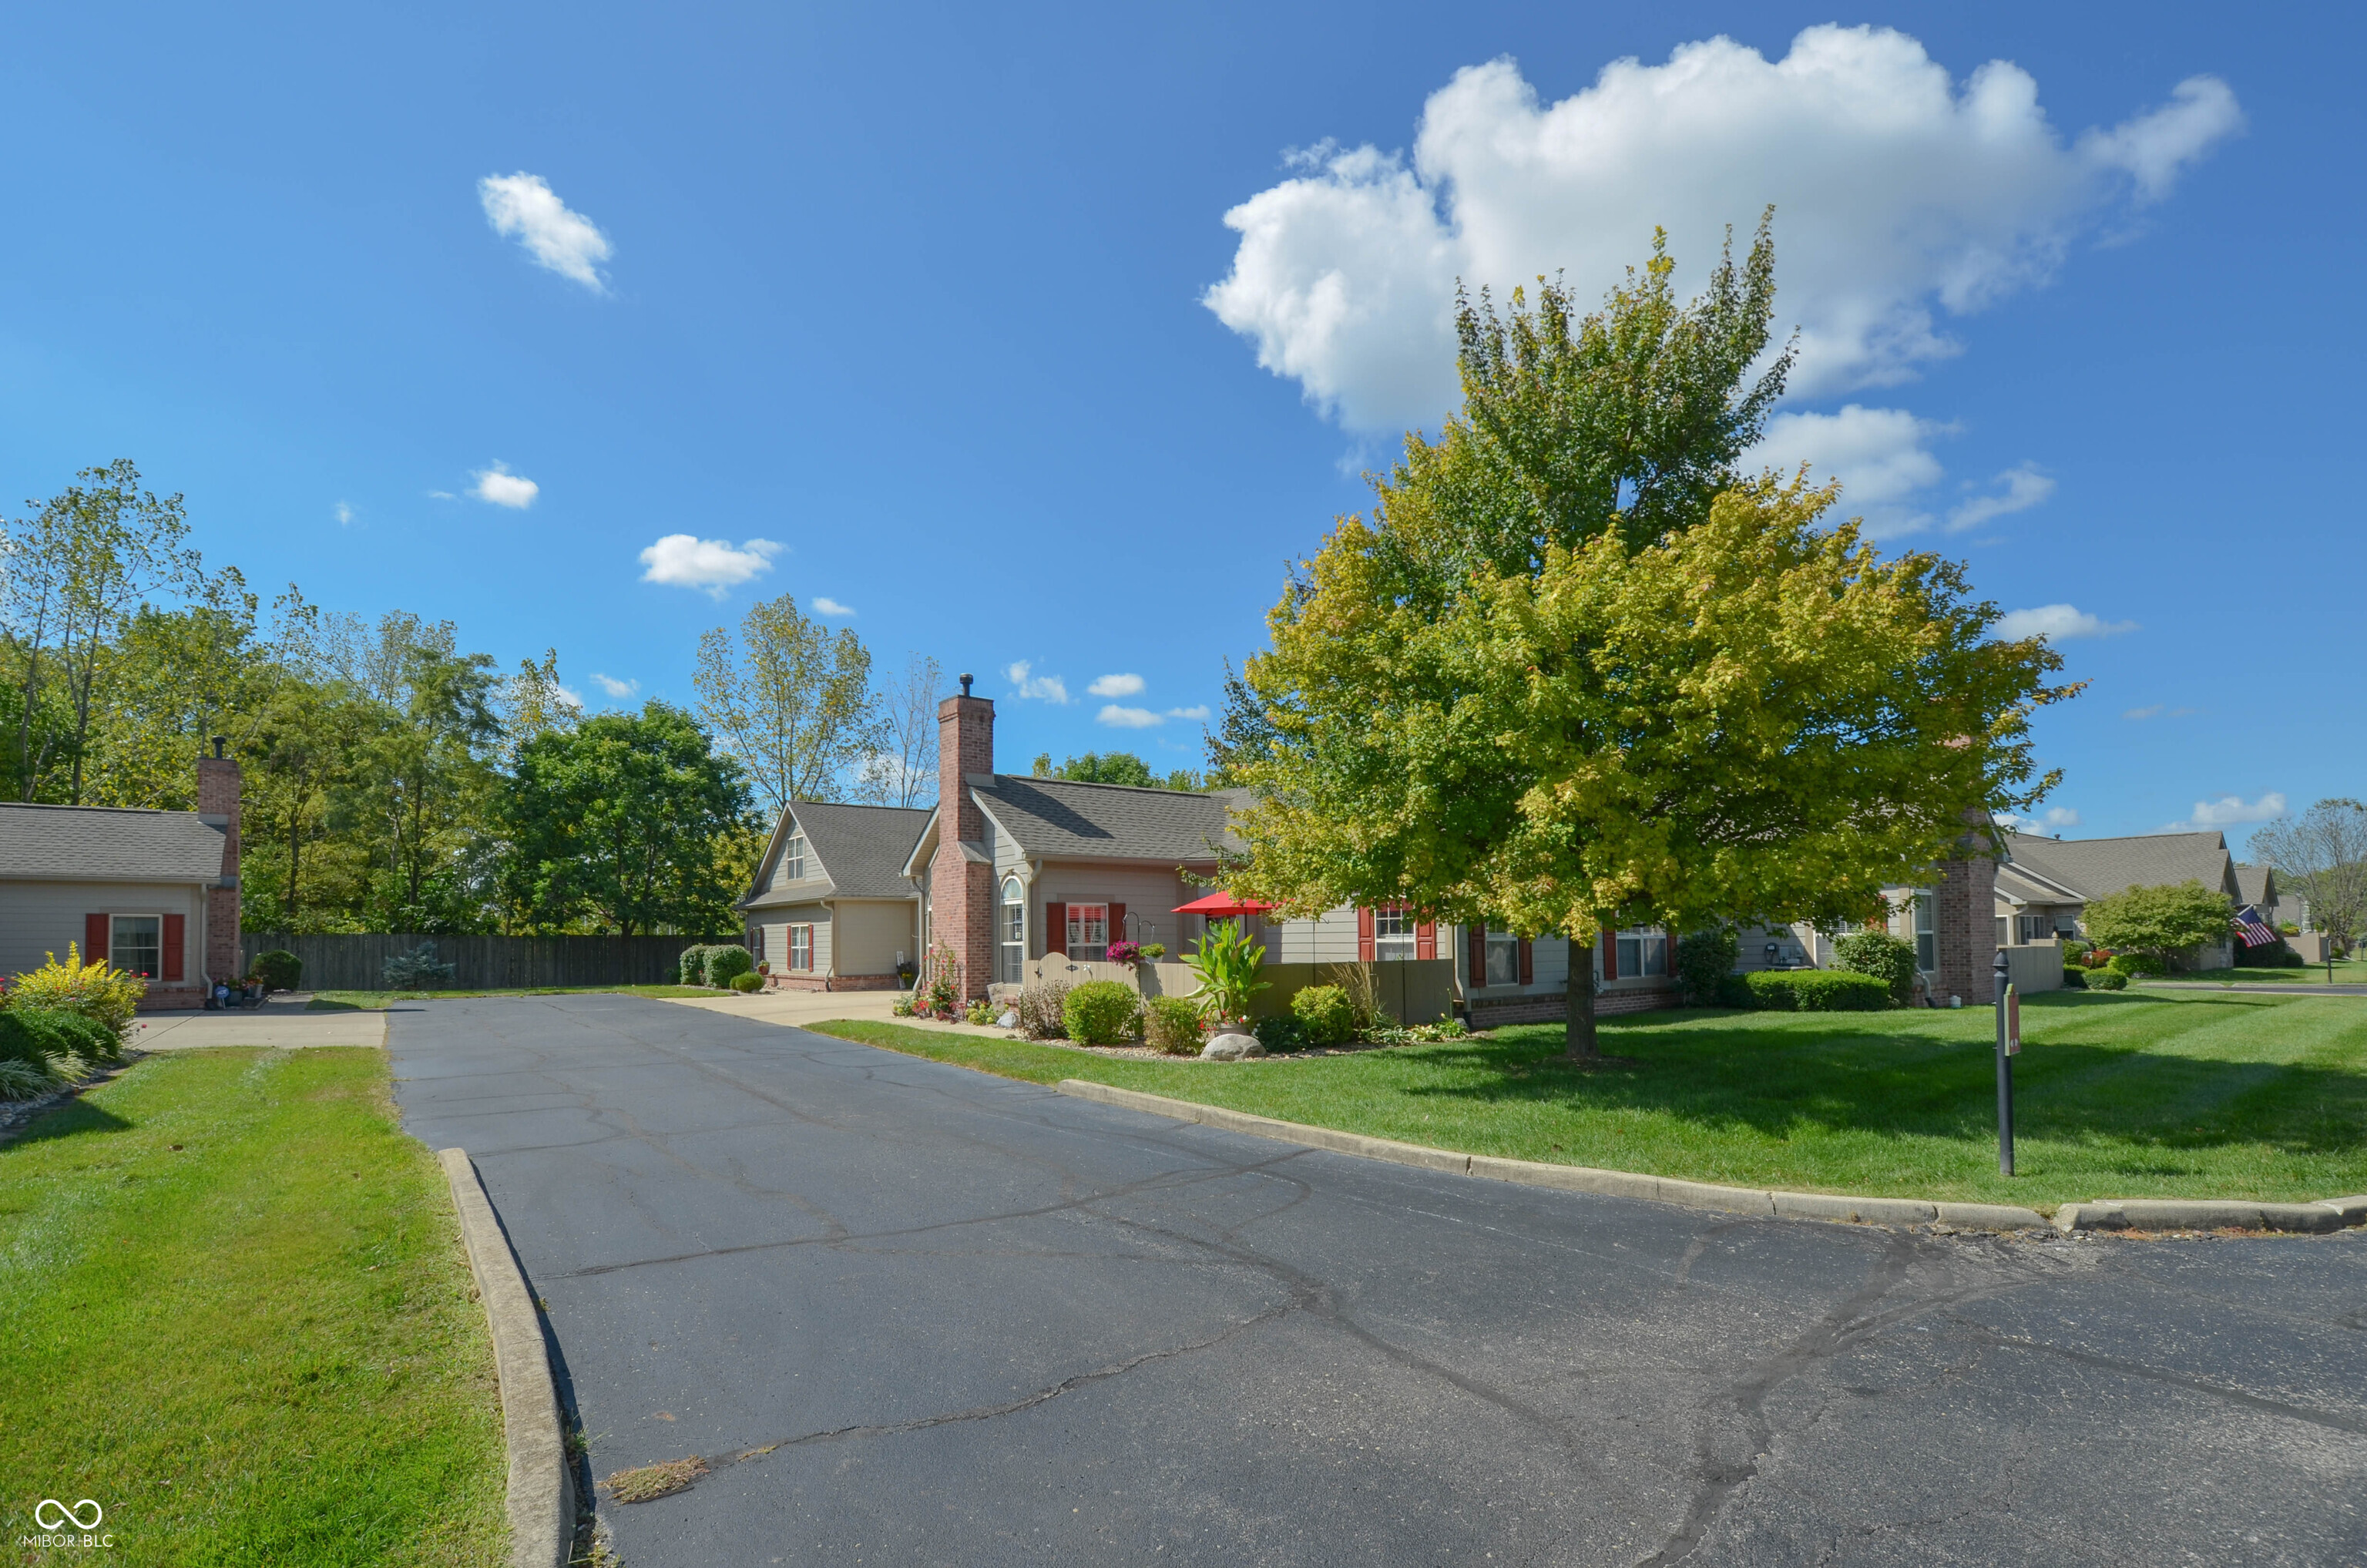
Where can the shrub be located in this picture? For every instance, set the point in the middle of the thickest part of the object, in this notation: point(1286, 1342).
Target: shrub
point(1704, 962)
point(944, 993)
point(1282, 1032)
point(278, 969)
point(1172, 1024)
point(694, 965)
point(747, 983)
point(1043, 1010)
point(727, 963)
point(1100, 1012)
point(417, 970)
point(107, 996)
point(43, 1037)
point(26, 1080)
point(2271, 955)
point(2107, 979)
point(979, 1012)
point(2159, 921)
point(1888, 959)
point(1325, 1014)
point(2074, 977)
point(901, 1006)
point(1817, 990)
point(2127, 965)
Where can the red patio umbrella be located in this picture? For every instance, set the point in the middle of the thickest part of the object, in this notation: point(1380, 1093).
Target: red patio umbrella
point(1220, 905)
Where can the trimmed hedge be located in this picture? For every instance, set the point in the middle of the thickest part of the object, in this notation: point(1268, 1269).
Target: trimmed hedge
point(43, 1035)
point(748, 983)
point(1325, 1014)
point(2107, 979)
point(1100, 1012)
point(1817, 990)
point(278, 969)
point(1172, 1024)
point(727, 963)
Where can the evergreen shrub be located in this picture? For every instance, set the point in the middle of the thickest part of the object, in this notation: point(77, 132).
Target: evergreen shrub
point(1817, 990)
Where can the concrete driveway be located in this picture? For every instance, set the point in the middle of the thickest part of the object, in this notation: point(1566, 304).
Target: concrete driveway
point(913, 1314)
point(281, 1022)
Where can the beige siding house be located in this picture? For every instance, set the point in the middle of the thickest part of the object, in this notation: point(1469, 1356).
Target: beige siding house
point(2043, 885)
point(830, 908)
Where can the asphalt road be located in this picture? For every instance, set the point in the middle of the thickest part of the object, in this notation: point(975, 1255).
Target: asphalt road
point(968, 1320)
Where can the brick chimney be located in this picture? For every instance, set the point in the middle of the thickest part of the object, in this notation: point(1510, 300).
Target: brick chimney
point(218, 791)
point(1964, 916)
point(961, 884)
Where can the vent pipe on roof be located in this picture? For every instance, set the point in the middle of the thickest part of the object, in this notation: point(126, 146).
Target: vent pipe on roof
point(219, 742)
point(965, 680)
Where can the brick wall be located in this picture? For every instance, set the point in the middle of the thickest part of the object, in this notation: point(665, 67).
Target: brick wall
point(961, 892)
point(1963, 915)
point(218, 802)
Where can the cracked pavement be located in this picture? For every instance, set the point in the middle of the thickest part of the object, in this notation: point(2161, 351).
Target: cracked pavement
point(915, 1314)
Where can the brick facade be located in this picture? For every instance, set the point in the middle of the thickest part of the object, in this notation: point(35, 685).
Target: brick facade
point(1964, 919)
point(961, 891)
point(217, 802)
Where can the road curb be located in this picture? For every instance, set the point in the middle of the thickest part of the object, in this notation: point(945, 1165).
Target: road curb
point(542, 1489)
point(1581, 1178)
point(2173, 1214)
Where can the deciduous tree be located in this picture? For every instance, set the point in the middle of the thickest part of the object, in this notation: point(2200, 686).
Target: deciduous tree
point(2159, 922)
point(792, 700)
point(2322, 856)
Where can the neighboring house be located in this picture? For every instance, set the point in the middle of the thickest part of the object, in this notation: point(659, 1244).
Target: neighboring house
point(155, 893)
point(2044, 888)
point(830, 907)
point(2257, 885)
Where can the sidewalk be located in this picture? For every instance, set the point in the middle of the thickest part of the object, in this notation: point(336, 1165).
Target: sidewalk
point(280, 1022)
point(796, 1008)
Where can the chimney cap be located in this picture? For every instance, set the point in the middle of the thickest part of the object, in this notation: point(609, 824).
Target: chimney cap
point(219, 742)
point(965, 680)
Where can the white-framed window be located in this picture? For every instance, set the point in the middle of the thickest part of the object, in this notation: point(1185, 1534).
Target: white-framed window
point(135, 943)
point(1393, 935)
point(1642, 951)
point(793, 858)
point(2034, 928)
point(1012, 953)
point(1927, 935)
point(801, 947)
point(1503, 962)
point(1088, 932)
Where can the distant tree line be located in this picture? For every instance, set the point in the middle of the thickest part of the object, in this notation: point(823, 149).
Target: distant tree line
point(393, 781)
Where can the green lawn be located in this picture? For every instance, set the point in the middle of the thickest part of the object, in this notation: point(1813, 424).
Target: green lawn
point(2347, 971)
point(359, 1001)
point(2171, 1094)
point(235, 1311)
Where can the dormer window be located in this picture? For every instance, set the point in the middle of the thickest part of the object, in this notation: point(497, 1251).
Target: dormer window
point(793, 858)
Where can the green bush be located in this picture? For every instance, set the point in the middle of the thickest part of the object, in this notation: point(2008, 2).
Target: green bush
point(728, 961)
point(1325, 1014)
point(1888, 959)
point(2129, 965)
point(1817, 990)
point(278, 969)
point(979, 1012)
point(1280, 1033)
point(2271, 955)
point(1172, 1024)
point(2074, 977)
point(1100, 1012)
point(1704, 963)
point(1043, 1010)
point(2107, 979)
point(43, 1035)
point(694, 965)
point(748, 983)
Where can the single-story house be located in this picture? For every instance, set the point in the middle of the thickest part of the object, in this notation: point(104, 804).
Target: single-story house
point(154, 893)
point(830, 907)
point(2044, 886)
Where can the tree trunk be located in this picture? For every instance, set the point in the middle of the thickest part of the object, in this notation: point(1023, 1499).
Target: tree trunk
point(1577, 991)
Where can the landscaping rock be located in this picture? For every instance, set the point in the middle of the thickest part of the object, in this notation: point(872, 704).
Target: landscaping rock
point(1231, 1048)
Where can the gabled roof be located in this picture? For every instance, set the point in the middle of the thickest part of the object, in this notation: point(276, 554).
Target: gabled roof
point(2255, 885)
point(103, 843)
point(861, 850)
point(2097, 868)
point(2024, 884)
point(1060, 819)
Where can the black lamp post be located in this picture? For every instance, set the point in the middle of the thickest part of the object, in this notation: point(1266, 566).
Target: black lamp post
point(2004, 985)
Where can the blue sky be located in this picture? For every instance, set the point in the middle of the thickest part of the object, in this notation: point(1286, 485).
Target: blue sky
point(919, 299)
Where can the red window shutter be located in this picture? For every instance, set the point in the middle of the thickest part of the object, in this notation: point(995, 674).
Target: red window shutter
point(1610, 953)
point(1475, 945)
point(1528, 970)
point(1116, 923)
point(1425, 941)
point(1364, 935)
point(1056, 929)
point(94, 939)
point(176, 933)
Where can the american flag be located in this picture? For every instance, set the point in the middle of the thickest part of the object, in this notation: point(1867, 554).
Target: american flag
point(2252, 929)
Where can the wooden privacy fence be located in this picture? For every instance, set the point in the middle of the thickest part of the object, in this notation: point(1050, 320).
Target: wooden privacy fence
point(351, 961)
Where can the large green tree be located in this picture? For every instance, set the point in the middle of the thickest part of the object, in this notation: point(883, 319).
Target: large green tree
point(2161, 922)
point(1577, 671)
point(626, 823)
point(792, 700)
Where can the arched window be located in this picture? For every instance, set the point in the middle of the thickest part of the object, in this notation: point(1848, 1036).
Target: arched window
point(1012, 930)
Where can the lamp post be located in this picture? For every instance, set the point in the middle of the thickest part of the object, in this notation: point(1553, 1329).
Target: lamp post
point(2008, 1041)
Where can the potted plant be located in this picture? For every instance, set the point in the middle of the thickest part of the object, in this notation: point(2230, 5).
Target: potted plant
point(1226, 963)
point(1127, 953)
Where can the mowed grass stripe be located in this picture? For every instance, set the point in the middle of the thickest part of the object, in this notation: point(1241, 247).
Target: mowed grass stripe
point(259, 1348)
point(2192, 1095)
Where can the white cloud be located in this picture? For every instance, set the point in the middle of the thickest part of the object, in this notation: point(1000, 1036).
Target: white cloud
point(2062, 817)
point(2057, 623)
point(2153, 711)
point(1044, 688)
point(2024, 487)
point(824, 605)
point(344, 514)
point(568, 696)
point(613, 687)
point(502, 488)
point(523, 208)
point(1197, 712)
point(441, 496)
point(2231, 811)
point(1115, 685)
point(1877, 453)
point(1127, 718)
point(686, 561)
point(1900, 194)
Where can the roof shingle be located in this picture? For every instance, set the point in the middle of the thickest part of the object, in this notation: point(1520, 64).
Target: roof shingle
point(1060, 819)
point(105, 844)
point(2101, 867)
point(862, 849)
